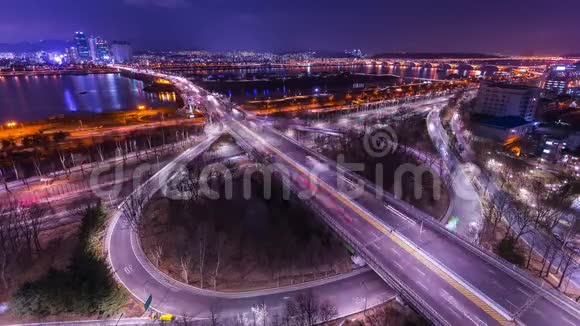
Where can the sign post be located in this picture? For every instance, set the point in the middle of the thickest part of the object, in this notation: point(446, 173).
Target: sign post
point(147, 303)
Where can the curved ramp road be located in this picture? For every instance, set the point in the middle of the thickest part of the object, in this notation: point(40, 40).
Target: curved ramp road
point(446, 278)
point(466, 207)
point(450, 280)
point(350, 293)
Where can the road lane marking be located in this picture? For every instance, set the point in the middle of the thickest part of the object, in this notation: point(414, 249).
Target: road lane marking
point(420, 271)
point(400, 266)
point(399, 214)
point(128, 269)
point(395, 252)
point(521, 290)
point(474, 319)
point(568, 321)
point(488, 306)
point(422, 285)
point(506, 300)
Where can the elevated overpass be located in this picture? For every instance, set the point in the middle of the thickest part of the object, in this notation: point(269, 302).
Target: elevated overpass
point(446, 278)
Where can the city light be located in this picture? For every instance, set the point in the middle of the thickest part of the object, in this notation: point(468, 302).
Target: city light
point(442, 173)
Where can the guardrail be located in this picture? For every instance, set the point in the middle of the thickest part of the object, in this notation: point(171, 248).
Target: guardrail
point(408, 294)
point(412, 211)
point(499, 261)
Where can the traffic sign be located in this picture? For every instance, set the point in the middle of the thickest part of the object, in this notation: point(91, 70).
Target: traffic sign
point(148, 302)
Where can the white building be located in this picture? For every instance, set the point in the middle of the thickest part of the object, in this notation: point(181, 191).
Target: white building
point(507, 100)
point(122, 52)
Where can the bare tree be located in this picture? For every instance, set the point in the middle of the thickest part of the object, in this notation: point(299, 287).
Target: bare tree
point(24, 231)
point(202, 237)
point(524, 218)
point(550, 207)
point(570, 264)
point(185, 264)
point(34, 217)
point(531, 251)
point(14, 166)
point(214, 316)
point(62, 158)
point(552, 252)
point(5, 253)
point(36, 162)
point(306, 309)
point(133, 207)
point(221, 239)
point(4, 178)
point(191, 184)
point(99, 148)
point(494, 210)
point(157, 254)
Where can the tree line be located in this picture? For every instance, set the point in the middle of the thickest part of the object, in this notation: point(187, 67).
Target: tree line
point(43, 154)
point(86, 287)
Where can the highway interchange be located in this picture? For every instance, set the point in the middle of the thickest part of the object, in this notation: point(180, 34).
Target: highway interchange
point(446, 278)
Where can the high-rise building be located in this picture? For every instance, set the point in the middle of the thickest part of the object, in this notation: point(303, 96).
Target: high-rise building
point(99, 49)
point(122, 52)
point(72, 55)
point(103, 50)
point(561, 79)
point(505, 100)
point(82, 46)
point(93, 48)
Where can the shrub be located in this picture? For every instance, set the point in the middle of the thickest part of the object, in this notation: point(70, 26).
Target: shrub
point(86, 287)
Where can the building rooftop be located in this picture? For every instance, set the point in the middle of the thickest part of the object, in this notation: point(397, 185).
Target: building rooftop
point(506, 122)
point(508, 86)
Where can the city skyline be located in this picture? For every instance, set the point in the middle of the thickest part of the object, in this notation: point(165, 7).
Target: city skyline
point(374, 27)
point(220, 162)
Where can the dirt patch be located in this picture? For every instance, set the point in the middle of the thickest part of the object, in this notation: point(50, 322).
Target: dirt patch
point(241, 244)
point(58, 246)
point(390, 313)
point(398, 173)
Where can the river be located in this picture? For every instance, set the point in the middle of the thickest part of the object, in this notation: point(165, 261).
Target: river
point(243, 83)
point(25, 98)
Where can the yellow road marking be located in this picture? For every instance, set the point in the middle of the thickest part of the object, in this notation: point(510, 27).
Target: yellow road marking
point(484, 306)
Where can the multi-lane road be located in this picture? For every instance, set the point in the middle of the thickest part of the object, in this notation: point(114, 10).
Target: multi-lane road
point(141, 278)
point(449, 280)
point(466, 206)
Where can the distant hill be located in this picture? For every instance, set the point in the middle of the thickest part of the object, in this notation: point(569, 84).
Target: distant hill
point(46, 45)
point(427, 55)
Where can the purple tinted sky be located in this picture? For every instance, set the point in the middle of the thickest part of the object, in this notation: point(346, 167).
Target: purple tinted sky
point(508, 26)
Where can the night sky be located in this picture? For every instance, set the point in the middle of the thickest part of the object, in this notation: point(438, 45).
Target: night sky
point(490, 26)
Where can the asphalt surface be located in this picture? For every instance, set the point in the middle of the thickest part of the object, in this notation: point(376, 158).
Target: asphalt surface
point(450, 281)
point(466, 207)
point(169, 296)
point(455, 281)
point(540, 240)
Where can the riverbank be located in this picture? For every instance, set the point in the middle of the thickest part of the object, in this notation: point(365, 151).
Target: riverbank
point(91, 107)
point(58, 72)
